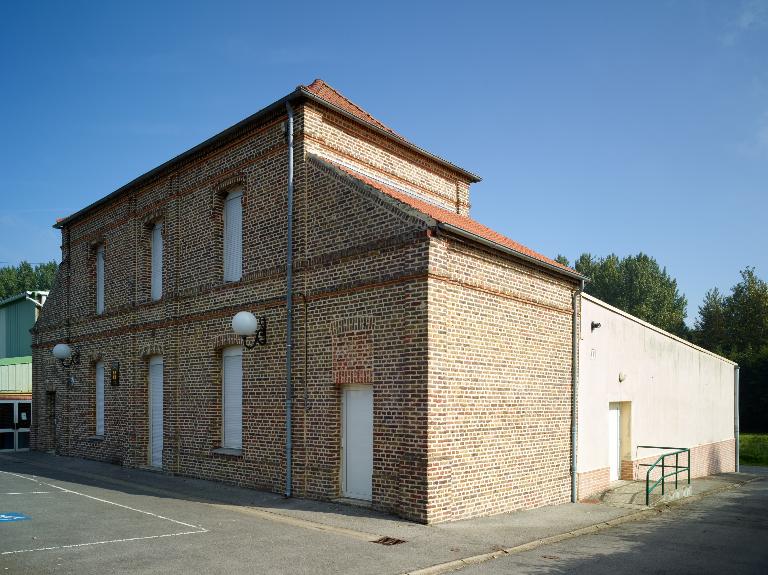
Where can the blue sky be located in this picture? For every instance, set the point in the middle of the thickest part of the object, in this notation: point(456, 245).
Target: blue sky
point(596, 126)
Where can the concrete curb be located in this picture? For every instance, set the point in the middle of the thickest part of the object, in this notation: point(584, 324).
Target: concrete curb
point(589, 529)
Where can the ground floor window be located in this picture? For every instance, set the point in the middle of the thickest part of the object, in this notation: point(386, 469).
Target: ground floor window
point(232, 400)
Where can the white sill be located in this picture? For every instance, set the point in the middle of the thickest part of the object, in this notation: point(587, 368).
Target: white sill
point(228, 451)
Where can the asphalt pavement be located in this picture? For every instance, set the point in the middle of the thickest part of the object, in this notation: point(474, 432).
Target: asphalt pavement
point(66, 515)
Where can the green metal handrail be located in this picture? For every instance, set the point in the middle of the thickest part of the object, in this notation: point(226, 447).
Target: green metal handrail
point(678, 469)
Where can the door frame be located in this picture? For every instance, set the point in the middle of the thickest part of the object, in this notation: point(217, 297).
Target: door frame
point(614, 407)
point(344, 451)
point(15, 429)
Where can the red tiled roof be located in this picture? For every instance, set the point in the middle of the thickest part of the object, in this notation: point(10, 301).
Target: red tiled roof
point(447, 217)
point(332, 96)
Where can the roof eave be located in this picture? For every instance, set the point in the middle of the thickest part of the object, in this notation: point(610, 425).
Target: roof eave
point(180, 158)
point(300, 92)
point(502, 248)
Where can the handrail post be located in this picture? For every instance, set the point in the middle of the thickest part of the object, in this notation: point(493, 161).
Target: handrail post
point(689, 466)
point(677, 471)
point(647, 485)
point(662, 474)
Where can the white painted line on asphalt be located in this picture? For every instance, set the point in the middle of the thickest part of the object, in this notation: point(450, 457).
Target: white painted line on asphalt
point(24, 492)
point(65, 490)
point(75, 545)
point(20, 476)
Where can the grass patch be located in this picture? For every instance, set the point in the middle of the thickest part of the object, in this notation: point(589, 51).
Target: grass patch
point(753, 448)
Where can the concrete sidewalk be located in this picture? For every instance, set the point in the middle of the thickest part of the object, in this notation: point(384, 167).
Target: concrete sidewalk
point(332, 528)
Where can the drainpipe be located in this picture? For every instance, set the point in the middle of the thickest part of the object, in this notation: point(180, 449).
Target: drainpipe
point(736, 412)
point(289, 312)
point(574, 389)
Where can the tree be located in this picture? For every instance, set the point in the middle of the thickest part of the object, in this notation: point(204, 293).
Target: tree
point(25, 277)
point(710, 328)
point(637, 285)
point(737, 327)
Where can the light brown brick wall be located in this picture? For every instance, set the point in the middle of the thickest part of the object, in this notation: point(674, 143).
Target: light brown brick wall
point(708, 459)
point(330, 135)
point(468, 351)
point(360, 264)
point(591, 483)
point(499, 384)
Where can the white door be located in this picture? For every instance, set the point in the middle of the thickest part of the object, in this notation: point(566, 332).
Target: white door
point(156, 410)
point(357, 441)
point(614, 442)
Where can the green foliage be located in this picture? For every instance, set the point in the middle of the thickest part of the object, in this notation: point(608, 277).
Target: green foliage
point(753, 448)
point(561, 259)
point(25, 277)
point(737, 326)
point(637, 285)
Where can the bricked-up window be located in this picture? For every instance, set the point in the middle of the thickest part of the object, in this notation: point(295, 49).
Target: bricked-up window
point(100, 398)
point(232, 400)
point(100, 278)
point(157, 260)
point(233, 236)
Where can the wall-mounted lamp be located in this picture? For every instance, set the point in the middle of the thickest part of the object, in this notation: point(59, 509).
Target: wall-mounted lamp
point(595, 325)
point(65, 355)
point(245, 324)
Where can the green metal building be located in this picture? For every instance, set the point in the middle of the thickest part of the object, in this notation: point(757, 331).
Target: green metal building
point(17, 316)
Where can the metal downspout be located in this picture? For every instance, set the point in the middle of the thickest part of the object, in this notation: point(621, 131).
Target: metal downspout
point(289, 313)
point(736, 370)
point(575, 389)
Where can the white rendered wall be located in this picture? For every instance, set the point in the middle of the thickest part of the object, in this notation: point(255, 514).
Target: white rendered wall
point(680, 395)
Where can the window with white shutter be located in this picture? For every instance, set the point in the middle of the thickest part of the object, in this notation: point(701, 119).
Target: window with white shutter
point(100, 279)
point(233, 236)
point(100, 398)
point(157, 261)
point(232, 400)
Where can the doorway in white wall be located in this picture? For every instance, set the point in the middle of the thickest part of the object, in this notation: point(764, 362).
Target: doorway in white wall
point(357, 442)
point(156, 411)
point(614, 440)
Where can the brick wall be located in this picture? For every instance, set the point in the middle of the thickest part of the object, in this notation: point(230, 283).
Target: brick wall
point(591, 483)
point(499, 384)
point(332, 136)
point(708, 459)
point(468, 352)
point(360, 269)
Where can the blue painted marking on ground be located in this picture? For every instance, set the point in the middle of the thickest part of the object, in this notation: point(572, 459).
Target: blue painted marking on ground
point(5, 517)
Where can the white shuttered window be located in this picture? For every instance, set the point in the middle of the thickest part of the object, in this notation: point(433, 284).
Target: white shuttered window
point(233, 236)
point(100, 279)
point(156, 410)
point(157, 261)
point(100, 398)
point(232, 366)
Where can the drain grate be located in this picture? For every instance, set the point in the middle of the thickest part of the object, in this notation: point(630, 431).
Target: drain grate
point(388, 541)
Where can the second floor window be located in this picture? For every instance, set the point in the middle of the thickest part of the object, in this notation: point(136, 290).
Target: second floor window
point(157, 261)
point(233, 236)
point(100, 278)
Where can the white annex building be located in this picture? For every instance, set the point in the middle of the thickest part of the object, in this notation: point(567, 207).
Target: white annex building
point(641, 386)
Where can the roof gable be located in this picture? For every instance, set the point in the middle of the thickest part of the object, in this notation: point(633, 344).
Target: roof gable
point(444, 216)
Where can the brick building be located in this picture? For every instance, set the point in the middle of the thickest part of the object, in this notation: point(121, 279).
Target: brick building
point(431, 357)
